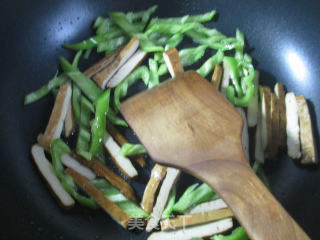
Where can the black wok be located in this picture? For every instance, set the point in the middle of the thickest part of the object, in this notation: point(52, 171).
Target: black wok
point(284, 40)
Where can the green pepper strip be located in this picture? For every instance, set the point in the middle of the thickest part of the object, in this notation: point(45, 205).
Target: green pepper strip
point(115, 120)
point(56, 81)
point(114, 195)
point(98, 127)
point(87, 86)
point(237, 234)
point(58, 148)
point(190, 56)
point(154, 78)
point(110, 45)
point(120, 19)
point(194, 196)
point(143, 16)
point(121, 90)
point(239, 49)
point(83, 140)
point(169, 208)
point(208, 66)
point(76, 59)
point(94, 41)
point(206, 17)
point(233, 66)
point(129, 149)
point(170, 28)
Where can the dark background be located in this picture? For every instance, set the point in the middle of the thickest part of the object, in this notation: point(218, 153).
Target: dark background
point(284, 40)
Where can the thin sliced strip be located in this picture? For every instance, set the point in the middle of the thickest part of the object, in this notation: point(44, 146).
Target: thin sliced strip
point(217, 76)
point(293, 130)
point(265, 116)
point(157, 174)
point(245, 133)
point(208, 206)
point(167, 185)
point(133, 62)
point(308, 146)
point(45, 168)
point(123, 163)
point(108, 206)
point(225, 79)
point(101, 64)
point(274, 144)
point(58, 114)
point(103, 77)
point(70, 162)
point(194, 219)
point(254, 103)
point(120, 139)
point(69, 122)
point(103, 171)
point(203, 230)
point(280, 93)
point(172, 60)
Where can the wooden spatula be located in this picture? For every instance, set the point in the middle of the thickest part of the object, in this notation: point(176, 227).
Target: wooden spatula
point(186, 123)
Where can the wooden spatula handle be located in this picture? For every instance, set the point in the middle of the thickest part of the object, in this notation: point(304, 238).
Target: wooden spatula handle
point(254, 206)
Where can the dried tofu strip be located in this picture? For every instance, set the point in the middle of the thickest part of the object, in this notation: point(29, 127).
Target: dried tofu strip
point(168, 183)
point(208, 206)
point(102, 170)
point(199, 231)
point(108, 206)
point(134, 61)
point(120, 139)
point(45, 168)
point(245, 133)
point(265, 117)
point(58, 114)
point(69, 123)
point(103, 63)
point(280, 93)
point(225, 79)
point(194, 219)
point(172, 60)
point(254, 103)
point(308, 146)
point(103, 77)
point(217, 76)
point(157, 174)
point(293, 131)
point(274, 143)
point(123, 163)
point(70, 162)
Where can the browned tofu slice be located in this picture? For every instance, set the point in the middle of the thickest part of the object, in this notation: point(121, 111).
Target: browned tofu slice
point(307, 141)
point(217, 76)
point(273, 147)
point(280, 93)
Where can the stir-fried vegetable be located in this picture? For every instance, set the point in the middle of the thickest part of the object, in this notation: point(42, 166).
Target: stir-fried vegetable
point(193, 196)
point(237, 234)
point(129, 149)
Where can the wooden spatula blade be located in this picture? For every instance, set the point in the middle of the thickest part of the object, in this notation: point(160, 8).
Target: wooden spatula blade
point(183, 121)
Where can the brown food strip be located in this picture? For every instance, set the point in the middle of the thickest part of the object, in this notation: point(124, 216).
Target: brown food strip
point(103, 77)
point(157, 174)
point(274, 143)
point(108, 206)
point(279, 90)
point(69, 123)
point(102, 170)
point(172, 60)
point(194, 219)
point(308, 147)
point(217, 76)
point(102, 63)
point(59, 111)
point(120, 139)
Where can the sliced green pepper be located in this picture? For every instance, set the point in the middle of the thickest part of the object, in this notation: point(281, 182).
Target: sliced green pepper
point(237, 234)
point(170, 204)
point(208, 66)
point(114, 195)
point(194, 196)
point(232, 64)
point(76, 59)
point(56, 81)
point(153, 76)
point(115, 120)
point(98, 128)
point(129, 149)
point(58, 148)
